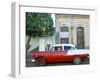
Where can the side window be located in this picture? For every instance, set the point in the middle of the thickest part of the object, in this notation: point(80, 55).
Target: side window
point(67, 47)
point(58, 48)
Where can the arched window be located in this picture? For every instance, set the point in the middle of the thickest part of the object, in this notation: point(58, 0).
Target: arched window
point(64, 29)
point(80, 37)
point(64, 35)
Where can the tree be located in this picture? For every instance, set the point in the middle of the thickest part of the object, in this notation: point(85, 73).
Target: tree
point(38, 25)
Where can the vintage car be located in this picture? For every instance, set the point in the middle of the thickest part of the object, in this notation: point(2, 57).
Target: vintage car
point(60, 53)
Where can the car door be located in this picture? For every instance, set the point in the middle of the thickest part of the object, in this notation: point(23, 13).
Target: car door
point(67, 57)
point(51, 56)
point(60, 54)
point(56, 54)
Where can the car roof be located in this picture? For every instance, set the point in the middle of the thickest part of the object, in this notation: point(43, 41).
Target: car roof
point(72, 45)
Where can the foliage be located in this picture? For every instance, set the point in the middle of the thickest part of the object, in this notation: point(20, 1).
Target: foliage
point(39, 24)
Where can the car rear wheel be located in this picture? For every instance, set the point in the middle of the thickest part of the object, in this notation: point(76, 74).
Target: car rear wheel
point(40, 61)
point(77, 60)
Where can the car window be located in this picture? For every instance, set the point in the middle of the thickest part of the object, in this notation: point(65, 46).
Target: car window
point(58, 48)
point(67, 47)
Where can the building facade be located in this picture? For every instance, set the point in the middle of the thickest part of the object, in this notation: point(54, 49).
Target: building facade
point(74, 29)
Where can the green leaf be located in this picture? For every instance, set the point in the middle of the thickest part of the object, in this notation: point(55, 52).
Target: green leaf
point(39, 24)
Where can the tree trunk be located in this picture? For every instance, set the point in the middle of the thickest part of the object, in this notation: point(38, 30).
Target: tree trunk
point(27, 44)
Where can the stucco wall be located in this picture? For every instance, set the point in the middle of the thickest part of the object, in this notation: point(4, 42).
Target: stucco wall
point(74, 21)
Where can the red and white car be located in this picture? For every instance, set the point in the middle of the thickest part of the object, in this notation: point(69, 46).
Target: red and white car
point(60, 53)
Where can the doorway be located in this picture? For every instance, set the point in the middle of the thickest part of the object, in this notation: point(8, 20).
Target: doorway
point(80, 37)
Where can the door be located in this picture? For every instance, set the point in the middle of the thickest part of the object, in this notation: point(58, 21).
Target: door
point(80, 37)
point(55, 55)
